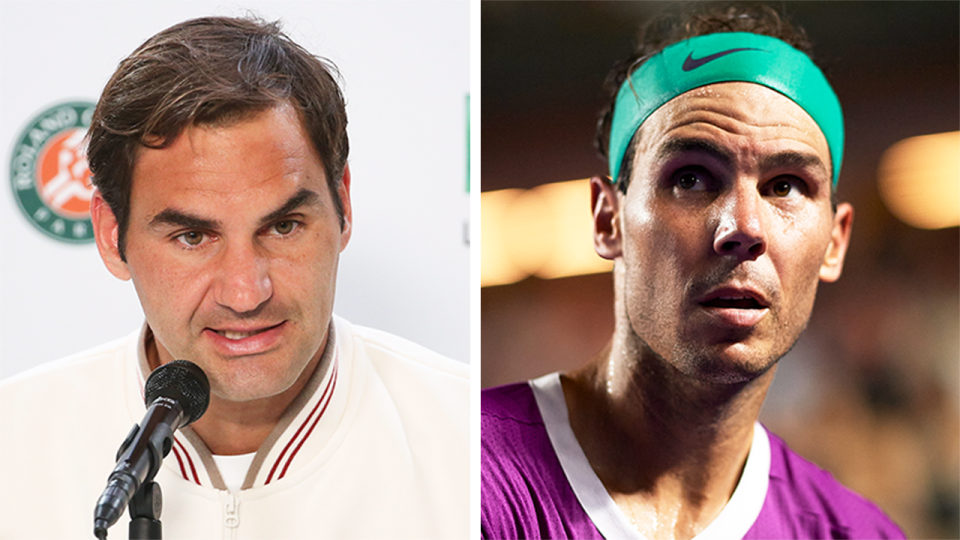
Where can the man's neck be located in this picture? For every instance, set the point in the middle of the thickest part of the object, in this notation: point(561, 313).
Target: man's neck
point(233, 428)
point(669, 449)
point(230, 428)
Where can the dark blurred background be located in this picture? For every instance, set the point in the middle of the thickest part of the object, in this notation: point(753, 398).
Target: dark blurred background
point(871, 390)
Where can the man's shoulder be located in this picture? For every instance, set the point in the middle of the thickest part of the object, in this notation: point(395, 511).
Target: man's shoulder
point(65, 418)
point(523, 488)
point(818, 502)
point(422, 386)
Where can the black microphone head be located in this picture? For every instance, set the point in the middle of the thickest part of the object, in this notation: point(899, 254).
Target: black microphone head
point(184, 382)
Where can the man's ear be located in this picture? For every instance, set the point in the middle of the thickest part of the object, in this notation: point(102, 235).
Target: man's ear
point(106, 231)
point(605, 204)
point(839, 241)
point(344, 190)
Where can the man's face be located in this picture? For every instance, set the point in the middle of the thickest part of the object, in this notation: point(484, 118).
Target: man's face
point(725, 230)
point(233, 244)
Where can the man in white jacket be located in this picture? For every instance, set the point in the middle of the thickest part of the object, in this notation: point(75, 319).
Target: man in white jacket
point(218, 150)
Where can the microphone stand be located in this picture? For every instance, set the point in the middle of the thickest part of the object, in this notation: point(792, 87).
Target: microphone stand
point(146, 504)
point(145, 508)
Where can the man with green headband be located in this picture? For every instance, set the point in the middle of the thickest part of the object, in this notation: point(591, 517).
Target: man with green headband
point(724, 144)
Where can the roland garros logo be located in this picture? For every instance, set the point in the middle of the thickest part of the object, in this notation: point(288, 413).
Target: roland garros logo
point(49, 172)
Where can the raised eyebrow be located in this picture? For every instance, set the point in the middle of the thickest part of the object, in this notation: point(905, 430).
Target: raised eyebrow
point(303, 197)
point(676, 147)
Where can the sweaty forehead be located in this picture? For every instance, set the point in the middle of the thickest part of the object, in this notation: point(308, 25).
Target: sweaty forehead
point(741, 111)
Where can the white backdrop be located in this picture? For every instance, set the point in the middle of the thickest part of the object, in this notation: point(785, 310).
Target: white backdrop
point(405, 67)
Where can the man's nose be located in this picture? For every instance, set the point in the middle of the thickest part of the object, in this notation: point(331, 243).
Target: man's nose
point(244, 283)
point(741, 231)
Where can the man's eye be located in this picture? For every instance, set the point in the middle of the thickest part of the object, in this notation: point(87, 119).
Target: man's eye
point(691, 181)
point(285, 227)
point(785, 187)
point(191, 238)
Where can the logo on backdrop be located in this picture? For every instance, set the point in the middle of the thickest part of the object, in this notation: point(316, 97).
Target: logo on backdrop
point(50, 175)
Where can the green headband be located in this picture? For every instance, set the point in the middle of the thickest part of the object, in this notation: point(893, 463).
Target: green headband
point(725, 57)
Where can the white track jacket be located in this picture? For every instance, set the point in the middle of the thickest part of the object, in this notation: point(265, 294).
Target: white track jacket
point(376, 446)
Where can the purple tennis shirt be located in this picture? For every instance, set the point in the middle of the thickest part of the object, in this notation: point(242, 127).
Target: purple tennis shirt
point(536, 482)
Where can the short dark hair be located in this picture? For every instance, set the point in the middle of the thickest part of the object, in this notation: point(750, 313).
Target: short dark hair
point(211, 71)
point(684, 22)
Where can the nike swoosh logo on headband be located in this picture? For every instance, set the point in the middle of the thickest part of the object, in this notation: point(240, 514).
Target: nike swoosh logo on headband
point(692, 63)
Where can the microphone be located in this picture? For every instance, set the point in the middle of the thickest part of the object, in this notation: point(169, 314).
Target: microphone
point(177, 394)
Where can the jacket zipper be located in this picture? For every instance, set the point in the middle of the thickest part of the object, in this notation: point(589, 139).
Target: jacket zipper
point(231, 516)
